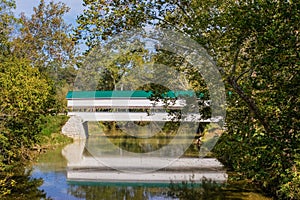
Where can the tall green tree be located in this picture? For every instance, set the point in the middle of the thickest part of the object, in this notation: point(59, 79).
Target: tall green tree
point(45, 39)
point(6, 24)
point(256, 47)
point(26, 94)
point(104, 67)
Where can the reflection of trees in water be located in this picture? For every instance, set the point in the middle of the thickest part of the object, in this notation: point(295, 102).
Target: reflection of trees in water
point(20, 185)
point(115, 192)
point(207, 191)
point(137, 143)
point(185, 139)
point(189, 190)
point(140, 145)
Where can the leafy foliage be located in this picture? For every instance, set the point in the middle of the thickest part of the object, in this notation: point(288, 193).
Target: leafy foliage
point(20, 186)
point(45, 38)
point(256, 47)
point(51, 124)
point(291, 189)
point(6, 24)
point(28, 60)
point(25, 95)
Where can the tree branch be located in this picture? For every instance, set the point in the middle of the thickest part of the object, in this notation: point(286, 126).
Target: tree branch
point(168, 23)
point(242, 74)
point(251, 104)
point(184, 11)
point(236, 56)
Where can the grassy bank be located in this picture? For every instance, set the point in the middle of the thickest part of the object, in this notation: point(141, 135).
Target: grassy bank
point(50, 132)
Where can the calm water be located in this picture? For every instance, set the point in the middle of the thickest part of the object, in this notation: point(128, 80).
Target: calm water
point(52, 168)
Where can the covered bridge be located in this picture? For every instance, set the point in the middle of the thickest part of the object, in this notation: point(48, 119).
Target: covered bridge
point(138, 105)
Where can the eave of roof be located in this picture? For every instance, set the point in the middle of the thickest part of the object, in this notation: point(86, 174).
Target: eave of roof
point(122, 94)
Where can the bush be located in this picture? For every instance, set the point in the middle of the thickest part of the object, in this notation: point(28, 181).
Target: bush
point(51, 124)
point(291, 189)
point(254, 156)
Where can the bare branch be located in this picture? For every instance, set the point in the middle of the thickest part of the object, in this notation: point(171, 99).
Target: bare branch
point(169, 23)
point(242, 74)
point(236, 56)
point(251, 103)
point(183, 10)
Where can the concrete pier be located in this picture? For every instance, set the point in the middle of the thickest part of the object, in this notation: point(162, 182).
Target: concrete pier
point(76, 128)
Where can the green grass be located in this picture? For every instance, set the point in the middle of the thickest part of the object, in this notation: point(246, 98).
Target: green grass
point(50, 134)
point(52, 124)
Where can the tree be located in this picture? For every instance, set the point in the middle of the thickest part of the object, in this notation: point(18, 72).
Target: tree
point(46, 40)
point(24, 96)
point(6, 24)
point(256, 47)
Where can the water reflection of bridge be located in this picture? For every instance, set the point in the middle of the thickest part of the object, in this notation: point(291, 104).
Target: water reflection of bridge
point(124, 167)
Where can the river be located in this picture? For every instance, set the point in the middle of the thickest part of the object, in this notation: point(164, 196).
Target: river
point(52, 168)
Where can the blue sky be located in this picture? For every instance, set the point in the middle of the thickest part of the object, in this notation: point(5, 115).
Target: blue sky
point(26, 6)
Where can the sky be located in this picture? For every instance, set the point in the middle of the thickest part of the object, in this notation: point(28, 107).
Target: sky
point(76, 6)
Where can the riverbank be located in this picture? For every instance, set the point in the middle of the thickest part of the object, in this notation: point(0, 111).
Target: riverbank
point(51, 136)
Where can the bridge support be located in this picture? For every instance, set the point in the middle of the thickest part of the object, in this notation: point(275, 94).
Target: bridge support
point(85, 129)
point(74, 152)
point(76, 128)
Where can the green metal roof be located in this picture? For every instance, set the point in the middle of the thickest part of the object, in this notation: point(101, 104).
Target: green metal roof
point(122, 94)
